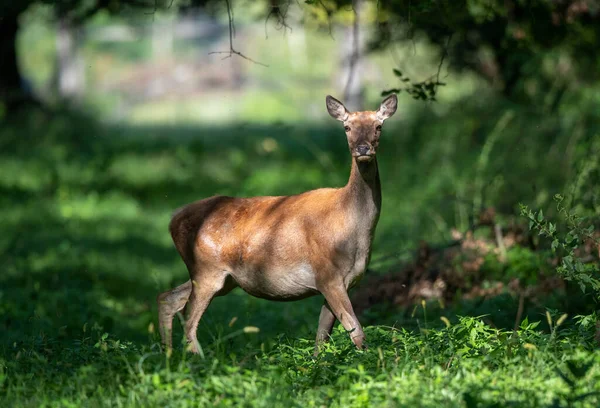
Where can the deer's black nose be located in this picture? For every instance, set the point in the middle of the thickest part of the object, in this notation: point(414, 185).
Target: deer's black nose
point(363, 150)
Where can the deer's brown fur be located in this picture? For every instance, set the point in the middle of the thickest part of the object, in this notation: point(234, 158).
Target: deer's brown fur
point(284, 248)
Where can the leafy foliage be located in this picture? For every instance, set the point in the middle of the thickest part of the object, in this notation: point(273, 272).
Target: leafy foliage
point(460, 362)
point(572, 266)
point(531, 50)
point(424, 90)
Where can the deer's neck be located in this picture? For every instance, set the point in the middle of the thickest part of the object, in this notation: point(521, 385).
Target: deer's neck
point(363, 194)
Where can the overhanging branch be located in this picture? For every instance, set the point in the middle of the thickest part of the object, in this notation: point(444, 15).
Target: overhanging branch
point(232, 51)
point(280, 14)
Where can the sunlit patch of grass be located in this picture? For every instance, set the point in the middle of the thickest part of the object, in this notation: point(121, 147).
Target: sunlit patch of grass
point(24, 174)
point(74, 205)
point(148, 169)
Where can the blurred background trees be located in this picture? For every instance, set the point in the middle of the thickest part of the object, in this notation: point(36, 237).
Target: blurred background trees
point(528, 50)
point(113, 113)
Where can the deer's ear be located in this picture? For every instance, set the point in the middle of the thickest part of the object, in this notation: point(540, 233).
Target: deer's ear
point(336, 109)
point(388, 107)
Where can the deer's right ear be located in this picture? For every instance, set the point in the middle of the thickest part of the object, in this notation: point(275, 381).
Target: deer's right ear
point(336, 109)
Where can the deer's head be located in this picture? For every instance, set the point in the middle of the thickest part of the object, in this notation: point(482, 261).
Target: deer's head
point(362, 128)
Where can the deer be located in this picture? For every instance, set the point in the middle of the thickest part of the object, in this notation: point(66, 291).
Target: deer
point(284, 248)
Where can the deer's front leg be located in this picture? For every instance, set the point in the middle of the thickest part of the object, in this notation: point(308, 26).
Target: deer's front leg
point(326, 321)
point(337, 298)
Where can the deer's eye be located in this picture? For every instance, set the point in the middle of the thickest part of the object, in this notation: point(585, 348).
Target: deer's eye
point(347, 128)
point(378, 128)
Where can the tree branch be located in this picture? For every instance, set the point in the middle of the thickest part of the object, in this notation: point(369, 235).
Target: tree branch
point(328, 17)
point(280, 15)
point(232, 50)
point(426, 89)
point(444, 55)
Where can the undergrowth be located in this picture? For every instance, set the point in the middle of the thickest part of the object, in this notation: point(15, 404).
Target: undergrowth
point(461, 363)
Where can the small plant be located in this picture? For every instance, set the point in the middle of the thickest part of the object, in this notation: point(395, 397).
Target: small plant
point(424, 90)
point(572, 266)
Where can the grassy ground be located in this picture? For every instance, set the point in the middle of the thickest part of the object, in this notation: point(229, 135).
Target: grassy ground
point(85, 250)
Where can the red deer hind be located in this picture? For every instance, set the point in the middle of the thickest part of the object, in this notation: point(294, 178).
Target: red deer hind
point(284, 248)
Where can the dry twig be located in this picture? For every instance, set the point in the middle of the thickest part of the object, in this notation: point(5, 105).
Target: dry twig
point(232, 50)
point(280, 14)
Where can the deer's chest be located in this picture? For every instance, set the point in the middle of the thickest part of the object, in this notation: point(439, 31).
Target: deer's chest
point(360, 256)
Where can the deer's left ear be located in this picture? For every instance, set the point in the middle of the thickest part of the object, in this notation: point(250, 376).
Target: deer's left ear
point(388, 107)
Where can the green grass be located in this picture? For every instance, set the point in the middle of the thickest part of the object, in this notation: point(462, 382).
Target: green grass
point(465, 362)
point(85, 250)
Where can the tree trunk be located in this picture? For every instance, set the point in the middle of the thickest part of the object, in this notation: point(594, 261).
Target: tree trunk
point(352, 62)
point(11, 85)
point(70, 70)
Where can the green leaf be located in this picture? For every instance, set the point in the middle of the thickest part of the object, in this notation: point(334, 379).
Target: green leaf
point(540, 216)
point(155, 380)
point(397, 72)
point(569, 238)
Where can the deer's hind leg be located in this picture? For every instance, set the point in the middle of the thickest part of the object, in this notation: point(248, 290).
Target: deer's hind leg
point(206, 285)
point(169, 303)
